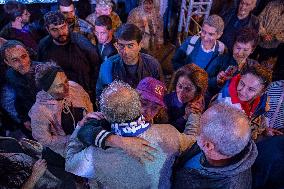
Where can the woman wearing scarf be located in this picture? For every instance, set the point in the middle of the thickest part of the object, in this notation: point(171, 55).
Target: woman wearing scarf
point(245, 91)
point(58, 107)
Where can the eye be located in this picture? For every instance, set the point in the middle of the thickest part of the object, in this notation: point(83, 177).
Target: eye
point(252, 89)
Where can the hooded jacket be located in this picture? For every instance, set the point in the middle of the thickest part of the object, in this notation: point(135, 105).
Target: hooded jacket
point(46, 116)
point(237, 175)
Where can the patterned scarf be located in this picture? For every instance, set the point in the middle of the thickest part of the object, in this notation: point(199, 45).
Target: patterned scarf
point(131, 128)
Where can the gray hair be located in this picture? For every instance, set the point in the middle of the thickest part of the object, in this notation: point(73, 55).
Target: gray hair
point(226, 127)
point(216, 22)
point(119, 102)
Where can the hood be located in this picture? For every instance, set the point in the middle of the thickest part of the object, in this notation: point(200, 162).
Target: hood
point(243, 162)
point(43, 97)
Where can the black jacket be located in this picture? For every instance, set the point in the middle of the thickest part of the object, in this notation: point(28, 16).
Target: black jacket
point(79, 60)
point(25, 89)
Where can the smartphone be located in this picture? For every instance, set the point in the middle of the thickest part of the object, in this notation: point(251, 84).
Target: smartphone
point(231, 70)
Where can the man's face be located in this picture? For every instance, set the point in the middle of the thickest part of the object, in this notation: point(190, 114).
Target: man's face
point(102, 34)
point(69, 13)
point(18, 58)
point(249, 87)
point(209, 36)
point(245, 7)
point(128, 50)
point(25, 18)
point(103, 10)
point(59, 88)
point(241, 51)
point(59, 33)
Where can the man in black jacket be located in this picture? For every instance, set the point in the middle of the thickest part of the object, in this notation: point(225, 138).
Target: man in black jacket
point(74, 53)
point(104, 33)
point(20, 77)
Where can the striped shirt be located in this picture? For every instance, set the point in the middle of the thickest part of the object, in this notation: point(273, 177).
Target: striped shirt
point(274, 91)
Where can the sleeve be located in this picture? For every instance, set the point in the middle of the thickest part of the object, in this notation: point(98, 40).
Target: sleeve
point(79, 159)
point(185, 141)
point(192, 125)
point(180, 57)
point(41, 132)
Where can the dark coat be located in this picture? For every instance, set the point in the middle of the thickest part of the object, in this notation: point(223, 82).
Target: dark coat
point(25, 89)
point(80, 64)
point(237, 175)
point(113, 68)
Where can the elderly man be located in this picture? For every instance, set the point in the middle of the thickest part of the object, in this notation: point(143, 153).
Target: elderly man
point(129, 65)
point(74, 53)
point(75, 24)
point(236, 19)
point(204, 49)
point(224, 154)
point(104, 7)
point(104, 33)
point(124, 171)
point(20, 77)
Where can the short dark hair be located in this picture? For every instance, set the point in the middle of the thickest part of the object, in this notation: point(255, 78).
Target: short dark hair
point(53, 17)
point(14, 9)
point(128, 32)
point(197, 76)
point(262, 72)
point(247, 35)
point(8, 45)
point(104, 20)
point(65, 3)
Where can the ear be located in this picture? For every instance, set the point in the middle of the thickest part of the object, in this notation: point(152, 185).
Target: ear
point(219, 35)
point(6, 62)
point(46, 27)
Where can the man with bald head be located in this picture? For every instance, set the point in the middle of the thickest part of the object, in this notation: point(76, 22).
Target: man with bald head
point(223, 155)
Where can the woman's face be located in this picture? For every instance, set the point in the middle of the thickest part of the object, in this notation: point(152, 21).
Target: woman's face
point(59, 88)
point(249, 87)
point(185, 89)
point(149, 109)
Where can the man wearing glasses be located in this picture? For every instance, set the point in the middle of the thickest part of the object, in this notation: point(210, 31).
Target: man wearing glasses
point(129, 65)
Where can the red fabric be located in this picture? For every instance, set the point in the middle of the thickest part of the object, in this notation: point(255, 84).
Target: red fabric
point(248, 107)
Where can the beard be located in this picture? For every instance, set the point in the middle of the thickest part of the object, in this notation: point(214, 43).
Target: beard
point(62, 39)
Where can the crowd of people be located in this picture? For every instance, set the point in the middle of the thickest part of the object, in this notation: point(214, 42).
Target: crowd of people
point(104, 101)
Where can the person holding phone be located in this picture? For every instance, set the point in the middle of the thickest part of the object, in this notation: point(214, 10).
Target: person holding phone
point(226, 66)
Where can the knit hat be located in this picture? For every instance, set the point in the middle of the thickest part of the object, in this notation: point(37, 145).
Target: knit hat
point(152, 90)
point(107, 3)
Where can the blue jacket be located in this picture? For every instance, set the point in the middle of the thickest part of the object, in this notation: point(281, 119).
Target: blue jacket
point(113, 69)
point(182, 57)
